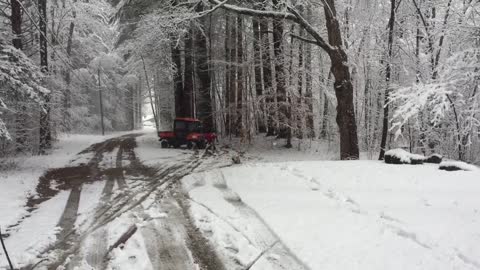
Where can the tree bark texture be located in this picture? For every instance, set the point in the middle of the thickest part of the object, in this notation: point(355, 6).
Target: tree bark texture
point(343, 86)
point(267, 76)
point(204, 101)
point(282, 100)
point(16, 21)
point(188, 86)
point(45, 132)
point(388, 75)
point(177, 79)
point(258, 61)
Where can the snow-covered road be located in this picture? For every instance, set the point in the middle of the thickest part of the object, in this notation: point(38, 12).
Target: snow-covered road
point(79, 213)
point(188, 210)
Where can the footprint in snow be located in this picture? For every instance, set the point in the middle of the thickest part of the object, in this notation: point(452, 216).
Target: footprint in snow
point(389, 218)
point(132, 258)
point(467, 260)
point(314, 184)
point(351, 201)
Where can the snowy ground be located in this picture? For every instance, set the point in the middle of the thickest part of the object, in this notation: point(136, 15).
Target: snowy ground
point(268, 213)
point(19, 181)
point(80, 210)
point(345, 214)
point(270, 149)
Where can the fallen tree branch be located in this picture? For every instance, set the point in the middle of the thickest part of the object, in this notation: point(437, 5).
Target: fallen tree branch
point(38, 263)
point(123, 238)
point(5, 250)
point(250, 265)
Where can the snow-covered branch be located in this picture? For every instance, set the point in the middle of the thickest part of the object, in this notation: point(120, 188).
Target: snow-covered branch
point(291, 15)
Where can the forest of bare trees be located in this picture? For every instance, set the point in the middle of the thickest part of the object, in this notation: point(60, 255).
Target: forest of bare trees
point(365, 75)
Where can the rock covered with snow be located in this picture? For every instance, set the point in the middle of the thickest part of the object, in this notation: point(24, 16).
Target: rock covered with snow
point(434, 158)
point(400, 156)
point(453, 165)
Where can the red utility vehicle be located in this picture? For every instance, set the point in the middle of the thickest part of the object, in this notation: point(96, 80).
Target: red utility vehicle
point(186, 131)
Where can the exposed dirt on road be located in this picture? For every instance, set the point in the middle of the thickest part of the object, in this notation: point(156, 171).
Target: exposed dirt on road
point(239, 226)
point(172, 242)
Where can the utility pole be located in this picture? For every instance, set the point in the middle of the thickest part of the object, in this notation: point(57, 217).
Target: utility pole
point(101, 103)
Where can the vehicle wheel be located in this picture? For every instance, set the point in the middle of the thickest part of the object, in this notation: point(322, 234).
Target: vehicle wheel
point(201, 145)
point(189, 145)
point(164, 144)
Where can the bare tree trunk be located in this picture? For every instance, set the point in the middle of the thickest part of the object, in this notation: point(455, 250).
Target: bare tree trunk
point(367, 107)
point(342, 85)
point(388, 74)
point(42, 9)
point(188, 87)
point(53, 39)
point(324, 130)
point(228, 74)
point(258, 61)
point(301, 116)
point(178, 86)
point(204, 102)
point(131, 102)
point(213, 85)
point(177, 79)
point(440, 42)
point(267, 75)
point(233, 79)
point(20, 121)
point(240, 86)
point(282, 99)
point(67, 95)
point(308, 85)
point(45, 132)
point(16, 21)
point(139, 103)
point(150, 95)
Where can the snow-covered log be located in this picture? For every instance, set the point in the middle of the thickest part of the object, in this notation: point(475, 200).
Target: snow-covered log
point(434, 158)
point(453, 165)
point(400, 156)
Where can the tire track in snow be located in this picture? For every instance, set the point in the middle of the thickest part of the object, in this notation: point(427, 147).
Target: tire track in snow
point(73, 178)
point(70, 213)
point(266, 239)
point(202, 251)
point(96, 248)
point(120, 178)
point(258, 232)
point(164, 240)
point(147, 182)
